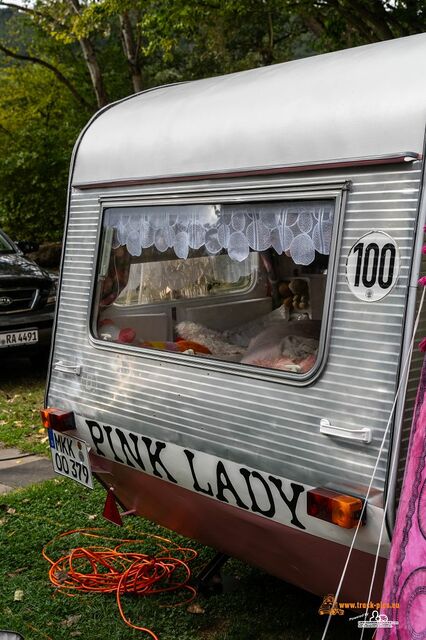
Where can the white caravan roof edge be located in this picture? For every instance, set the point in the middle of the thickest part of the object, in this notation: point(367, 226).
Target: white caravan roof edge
point(360, 103)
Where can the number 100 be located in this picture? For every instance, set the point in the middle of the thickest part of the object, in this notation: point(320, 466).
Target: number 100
point(379, 262)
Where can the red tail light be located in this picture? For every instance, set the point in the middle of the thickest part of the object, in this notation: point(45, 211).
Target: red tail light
point(57, 419)
point(340, 509)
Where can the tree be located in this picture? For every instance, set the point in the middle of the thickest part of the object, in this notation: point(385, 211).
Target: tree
point(344, 23)
point(24, 38)
point(35, 141)
point(128, 14)
point(60, 60)
point(40, 118)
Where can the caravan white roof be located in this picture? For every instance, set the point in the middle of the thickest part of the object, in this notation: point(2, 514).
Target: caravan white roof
point(358, 103)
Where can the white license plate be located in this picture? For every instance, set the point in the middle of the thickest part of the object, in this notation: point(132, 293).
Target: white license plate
point(16, 338)
point(70, 457)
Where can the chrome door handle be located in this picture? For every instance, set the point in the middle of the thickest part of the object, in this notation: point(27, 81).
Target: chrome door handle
point(67, 368)
point(356, 435)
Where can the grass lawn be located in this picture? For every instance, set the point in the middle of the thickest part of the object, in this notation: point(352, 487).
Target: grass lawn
point(255, 606)
point(21, 398)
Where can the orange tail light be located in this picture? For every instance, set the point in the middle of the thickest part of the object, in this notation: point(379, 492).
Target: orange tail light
point(332, 506)
point(57, 419)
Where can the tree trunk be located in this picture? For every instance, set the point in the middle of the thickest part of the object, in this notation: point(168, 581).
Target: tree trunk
point(314, 24)
point(94, 71)
point(92, 64)
point(365, 17)
point(375, 16)
point(131, 51)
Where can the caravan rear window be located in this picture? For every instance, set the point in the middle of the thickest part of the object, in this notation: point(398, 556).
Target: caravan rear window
point(234, 282)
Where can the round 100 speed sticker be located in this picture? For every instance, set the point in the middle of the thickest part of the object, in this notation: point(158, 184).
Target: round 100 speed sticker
point(372, 266)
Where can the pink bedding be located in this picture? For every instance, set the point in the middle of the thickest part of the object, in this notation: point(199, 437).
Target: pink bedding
point(284, 345)
point(289, 346)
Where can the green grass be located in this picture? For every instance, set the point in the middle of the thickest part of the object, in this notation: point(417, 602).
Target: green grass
point(258, 607)
point(21, 398)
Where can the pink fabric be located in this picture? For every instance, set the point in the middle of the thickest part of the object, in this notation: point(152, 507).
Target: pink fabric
point(285, 344)
point(405, 581)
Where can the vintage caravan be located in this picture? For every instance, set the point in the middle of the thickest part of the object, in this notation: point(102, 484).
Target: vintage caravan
point(237, 301)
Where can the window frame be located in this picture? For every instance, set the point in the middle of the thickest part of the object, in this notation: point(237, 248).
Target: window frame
point(331, 190)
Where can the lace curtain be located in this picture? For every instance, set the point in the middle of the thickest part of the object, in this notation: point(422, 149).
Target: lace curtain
point(297, 229)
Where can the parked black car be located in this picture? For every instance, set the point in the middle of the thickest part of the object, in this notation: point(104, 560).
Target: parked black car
point(27, 304)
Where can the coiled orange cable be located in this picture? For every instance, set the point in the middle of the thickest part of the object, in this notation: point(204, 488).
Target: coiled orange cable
point(102, 569)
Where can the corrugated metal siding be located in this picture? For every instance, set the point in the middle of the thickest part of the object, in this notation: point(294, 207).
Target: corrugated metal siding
point(272, 426)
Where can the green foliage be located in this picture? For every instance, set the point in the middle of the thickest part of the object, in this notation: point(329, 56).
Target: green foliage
point(61, 58)
point(38, 126)
point(39, 122)
point(214, 37)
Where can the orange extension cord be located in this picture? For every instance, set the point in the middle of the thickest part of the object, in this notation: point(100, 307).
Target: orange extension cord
point(100, 569)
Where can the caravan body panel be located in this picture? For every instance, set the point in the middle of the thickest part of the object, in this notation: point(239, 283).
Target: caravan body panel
point(311, 127)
